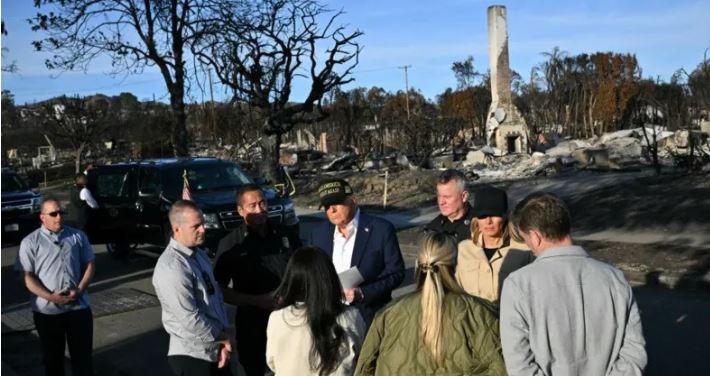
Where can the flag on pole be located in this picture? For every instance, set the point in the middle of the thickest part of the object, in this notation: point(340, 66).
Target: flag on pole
point(186, 195)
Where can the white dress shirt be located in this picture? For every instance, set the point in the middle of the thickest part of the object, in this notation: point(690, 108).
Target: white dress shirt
point(85, 195)
point(343, 247)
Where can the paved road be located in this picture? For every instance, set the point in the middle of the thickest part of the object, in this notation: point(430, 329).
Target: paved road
point(133, 343)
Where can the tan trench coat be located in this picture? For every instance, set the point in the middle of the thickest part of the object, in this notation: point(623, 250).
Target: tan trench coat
point(482, 277)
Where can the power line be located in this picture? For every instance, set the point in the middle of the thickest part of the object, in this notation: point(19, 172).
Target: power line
point(61, 91)
point(49, 93)
point(374, 69)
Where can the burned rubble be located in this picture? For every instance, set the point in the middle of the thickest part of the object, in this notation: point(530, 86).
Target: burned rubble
point(625, 150)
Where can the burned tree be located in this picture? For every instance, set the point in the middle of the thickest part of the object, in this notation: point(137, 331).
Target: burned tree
point(77, 121)
point(133, 34)
point(467, 106)
point(263, 48)
point(419, 134)
point(465, 72)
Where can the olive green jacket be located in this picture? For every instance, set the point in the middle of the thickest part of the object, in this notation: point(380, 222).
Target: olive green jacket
point(471, 341)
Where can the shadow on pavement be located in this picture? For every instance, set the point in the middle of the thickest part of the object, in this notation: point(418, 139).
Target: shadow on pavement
point(644, 203)
point(139, 355)
point(676, 328)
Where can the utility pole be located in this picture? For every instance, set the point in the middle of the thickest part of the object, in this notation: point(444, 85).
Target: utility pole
point(214, 123)
point(406, 85)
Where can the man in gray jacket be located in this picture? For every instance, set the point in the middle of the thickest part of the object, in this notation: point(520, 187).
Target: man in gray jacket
point(193, 311)
point(566, 313)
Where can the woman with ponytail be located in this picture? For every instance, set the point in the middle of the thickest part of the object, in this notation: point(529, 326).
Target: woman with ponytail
point(313, 332)
point(437, 329)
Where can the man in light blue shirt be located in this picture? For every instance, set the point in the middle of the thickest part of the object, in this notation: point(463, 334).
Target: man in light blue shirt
point(566, 313)
point(193, 311)
point(58, 263)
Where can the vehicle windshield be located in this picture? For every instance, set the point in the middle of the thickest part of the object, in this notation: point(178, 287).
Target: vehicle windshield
point(112, 183)
point(13, 183)
point(204, 178)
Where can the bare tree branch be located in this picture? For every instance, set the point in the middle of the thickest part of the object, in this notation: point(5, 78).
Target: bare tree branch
point(133, 34)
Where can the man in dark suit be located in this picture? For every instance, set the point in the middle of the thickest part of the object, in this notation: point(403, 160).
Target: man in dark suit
point(355, 239)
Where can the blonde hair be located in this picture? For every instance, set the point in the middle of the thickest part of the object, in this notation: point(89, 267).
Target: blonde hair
point(506, 231)
point(435, 262)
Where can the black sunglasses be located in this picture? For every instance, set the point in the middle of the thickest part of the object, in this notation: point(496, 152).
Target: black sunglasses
point(55, 213)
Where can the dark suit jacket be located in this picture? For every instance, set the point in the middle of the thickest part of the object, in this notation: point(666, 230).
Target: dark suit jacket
point(377, 256)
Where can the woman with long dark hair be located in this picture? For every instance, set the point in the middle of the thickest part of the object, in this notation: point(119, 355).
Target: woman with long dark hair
point(313, 332)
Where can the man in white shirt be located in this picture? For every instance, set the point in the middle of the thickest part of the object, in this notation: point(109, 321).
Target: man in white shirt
point(192, 304)
point(81, 201)
point(344, 242)
point(355, 239)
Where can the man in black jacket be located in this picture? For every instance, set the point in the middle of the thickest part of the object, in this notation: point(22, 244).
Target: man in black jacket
point(452, 196)
point(253, 259)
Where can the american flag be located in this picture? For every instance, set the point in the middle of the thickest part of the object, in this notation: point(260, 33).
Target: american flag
point(186, 195)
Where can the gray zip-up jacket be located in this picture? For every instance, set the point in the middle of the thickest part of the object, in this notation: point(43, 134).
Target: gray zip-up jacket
point(568, 314)
point(193, 310)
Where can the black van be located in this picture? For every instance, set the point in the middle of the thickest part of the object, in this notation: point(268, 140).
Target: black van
point(135, 197)
point(20, 207)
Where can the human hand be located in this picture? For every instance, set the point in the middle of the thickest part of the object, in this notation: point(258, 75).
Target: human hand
point(74, 294)
point(61, 297)
point(352, 295)
point(225, 353)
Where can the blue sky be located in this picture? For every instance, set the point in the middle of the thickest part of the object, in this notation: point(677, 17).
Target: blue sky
point(428, 35)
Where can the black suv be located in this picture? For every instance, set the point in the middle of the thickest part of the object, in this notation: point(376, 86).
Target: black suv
point(20, 207)
point(135, 197)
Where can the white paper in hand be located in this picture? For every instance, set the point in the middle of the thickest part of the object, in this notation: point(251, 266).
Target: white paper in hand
point(351, 278)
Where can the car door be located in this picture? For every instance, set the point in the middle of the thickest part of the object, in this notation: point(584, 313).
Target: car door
point(152, 207)
point(114, 188)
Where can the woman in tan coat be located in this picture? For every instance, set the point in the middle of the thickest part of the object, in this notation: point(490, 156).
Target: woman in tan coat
point(485, 260)
point(313, 333)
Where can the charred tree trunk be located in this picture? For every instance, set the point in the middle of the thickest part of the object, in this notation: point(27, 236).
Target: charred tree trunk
point(270, 152)
point(179, 135)
point(78, 153)
point(652, 145)
point(177, 89)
